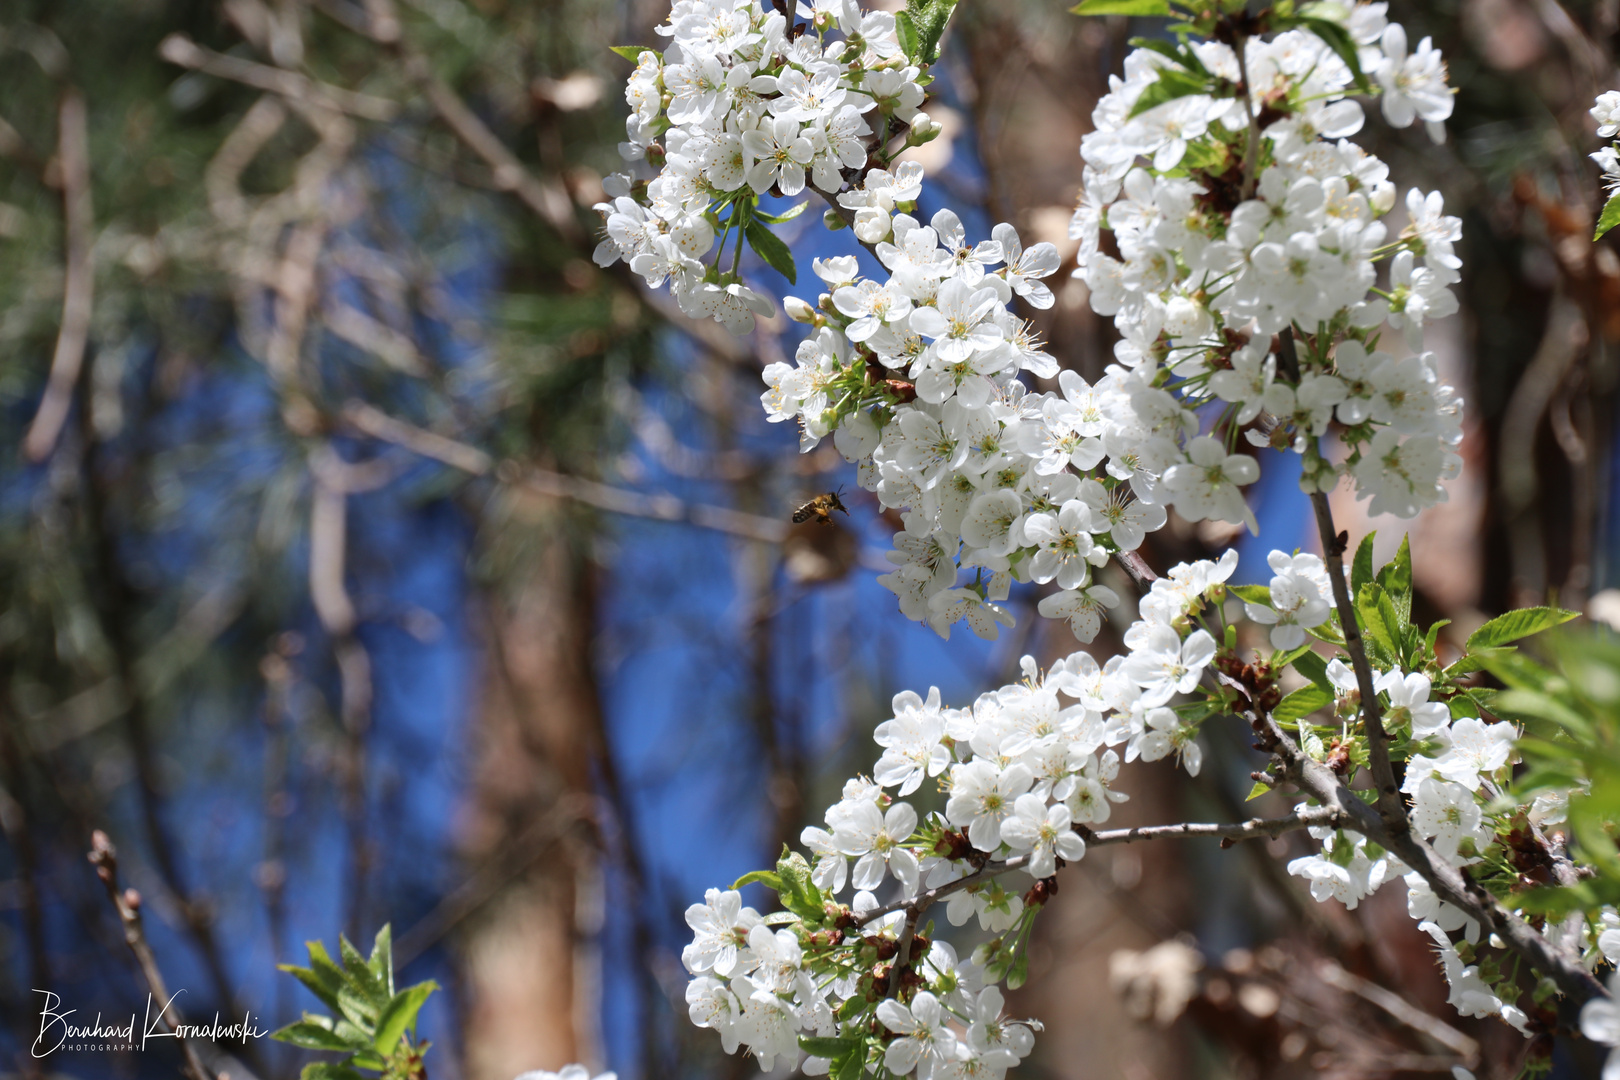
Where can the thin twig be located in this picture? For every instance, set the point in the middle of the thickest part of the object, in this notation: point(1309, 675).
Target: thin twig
point(127, 902)
point(1334, 544)
point(181, 51)
point(1228, 833)
point(1251, 152)
point(78, 282)
point(1392, 1003)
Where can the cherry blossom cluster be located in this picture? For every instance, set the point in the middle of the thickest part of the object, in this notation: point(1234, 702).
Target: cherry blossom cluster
point(1239, 241)
point(1237, 215)
point(1027, 774)
point(742, 103)
point(1606, 111)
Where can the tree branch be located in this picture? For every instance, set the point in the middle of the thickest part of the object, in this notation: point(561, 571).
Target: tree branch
point(127, 902)
point(549, 200)
point(78, 281)
point(1334, 542)
point(181, 51)
point(1228, 833)
point(1447, 881)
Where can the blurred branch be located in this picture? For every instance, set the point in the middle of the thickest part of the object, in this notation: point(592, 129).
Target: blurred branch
point(181, 51)
point(616, 500)
point(328, 541)
point(78, 281)
point(498, 871)
point(1392, 1003)
point(549, 200)
point(127, 903)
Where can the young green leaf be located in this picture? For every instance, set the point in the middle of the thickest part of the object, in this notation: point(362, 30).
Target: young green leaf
point(360, 974)
point(1610, 216)
point(326, 1070)
point(1338, 39)
point(787, 215)
point(1301, 703)
point(1259, 789)
point(1253, 594)
point(399, 1015)
point(852, 1067)
point(767, 877)
point(1517, 624)
point(1121, 7)
point(311, 1034)
point(906, 31)
point(1313, 667)
point(381, 960)
point(1381, 632)
point(631, 53)
point(770, 247)
point(1395, 578)
point(1361, 567)
point(1171, 84)
point(323, 988)
point(827, 1048)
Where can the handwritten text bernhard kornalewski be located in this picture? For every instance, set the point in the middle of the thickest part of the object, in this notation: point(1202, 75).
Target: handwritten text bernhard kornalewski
point(56, 1033)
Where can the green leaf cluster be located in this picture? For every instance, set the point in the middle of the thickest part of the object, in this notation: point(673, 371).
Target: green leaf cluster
point(1569, 705)
point(920, 27)
point(371, 1023)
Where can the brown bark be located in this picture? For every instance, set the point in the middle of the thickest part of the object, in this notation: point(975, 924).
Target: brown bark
point(528, 965)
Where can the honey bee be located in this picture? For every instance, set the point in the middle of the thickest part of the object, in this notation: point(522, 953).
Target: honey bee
point(820, 508)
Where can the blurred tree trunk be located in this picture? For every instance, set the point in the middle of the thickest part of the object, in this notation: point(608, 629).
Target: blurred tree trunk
point(530, 955)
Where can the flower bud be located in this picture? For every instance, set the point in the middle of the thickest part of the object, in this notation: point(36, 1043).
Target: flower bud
point(832, 220)
point(798, 310)
point(871, 225)
point(923, 130)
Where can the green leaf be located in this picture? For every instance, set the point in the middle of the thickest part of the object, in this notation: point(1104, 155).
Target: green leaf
point(360, 1008)
point(1610, 216)
point(768, 877)
point(381, 960)
point(851, 1068)
point(1258, 790)
point(1517, 624)
point(1301, 703)
point(399, 1015)
point(787, 215)
point(906, 32)
point(631, 53)
point(323, 988)
point(1338, 39)
point(1396, 580)
point(1251, 594)
point(326, 1070)
point(1462, 707)
point(1361, 567)
point(920, 27)
point(1171, 84)
point(1313, 667)
point(827, 1048)
point(1380, 628)
point(311, 1034)
point(770, 247)
point(359, 972)
point(798, 892)
point(1179, 53)
point(1121, 7)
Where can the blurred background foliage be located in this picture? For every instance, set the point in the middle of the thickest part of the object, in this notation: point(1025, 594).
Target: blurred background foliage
point(369, 555)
